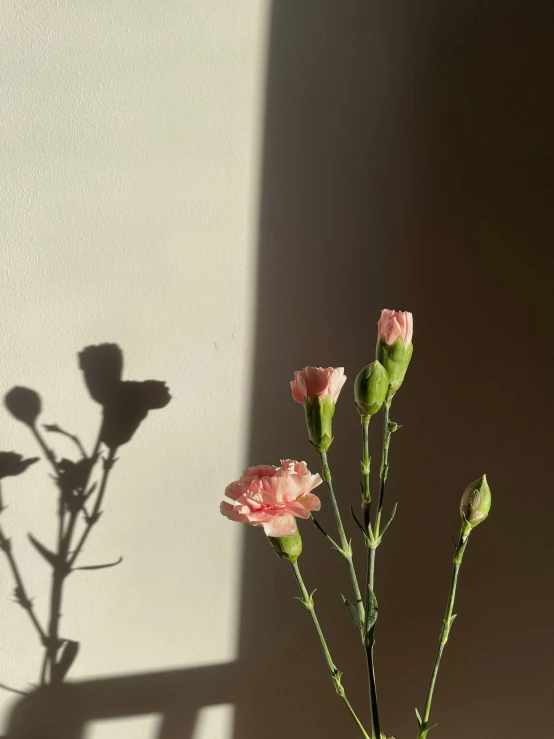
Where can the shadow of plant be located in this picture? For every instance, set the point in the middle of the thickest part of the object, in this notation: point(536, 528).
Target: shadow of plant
point(124, 404)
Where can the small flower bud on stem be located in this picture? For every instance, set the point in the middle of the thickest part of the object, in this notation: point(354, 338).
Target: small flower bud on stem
point(475, 505)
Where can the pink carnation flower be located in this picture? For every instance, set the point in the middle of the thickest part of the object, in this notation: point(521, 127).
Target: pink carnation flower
point(316, 382)
point(395, 325)
point(273, 497)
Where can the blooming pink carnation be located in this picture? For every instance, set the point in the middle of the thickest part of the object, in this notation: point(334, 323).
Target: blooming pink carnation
point(313, 382)
point(273, 496)
point(395, 325)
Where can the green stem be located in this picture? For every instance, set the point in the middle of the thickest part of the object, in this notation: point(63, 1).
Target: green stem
point(346, 548)
point(336, 675)
point(384, 471)
point(445, 630)
point(368, 637)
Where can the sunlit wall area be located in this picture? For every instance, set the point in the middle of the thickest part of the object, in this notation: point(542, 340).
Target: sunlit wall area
point(129, 195)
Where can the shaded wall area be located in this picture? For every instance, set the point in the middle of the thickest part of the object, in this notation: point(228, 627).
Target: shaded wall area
point(408, 160)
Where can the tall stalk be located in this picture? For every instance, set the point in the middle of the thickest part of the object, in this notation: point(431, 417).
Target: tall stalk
point(336, 674)
point(373, 539)
point(345, 546)
point(445, 631)
point(367, 628)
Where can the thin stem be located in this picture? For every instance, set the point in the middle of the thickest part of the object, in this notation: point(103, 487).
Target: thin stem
point(445, 630)
point(12, 690)
point(48, 453)
point(21, 594)
point(59, 574)
point(43, 668)
point(95, 515)
point(328, 479)
point(78, 443)
point(345, 545)
point(368, 635)
point(384, 471)
point(97, 444)
point(336, 675)
point(63, 569)
point(54, 428)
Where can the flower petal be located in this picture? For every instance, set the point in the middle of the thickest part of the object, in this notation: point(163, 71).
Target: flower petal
point(258, 471)
point(317, 380)
point(235, 489)
point(312, 482)
point(296, 394)
point(283, 525)
point(302, 506)
point(229, 511)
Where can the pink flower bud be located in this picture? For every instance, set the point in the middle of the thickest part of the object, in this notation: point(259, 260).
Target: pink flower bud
point(273, 497)
point(394, 346)
point(318, 390)
point(395, 325)
point(316, 382)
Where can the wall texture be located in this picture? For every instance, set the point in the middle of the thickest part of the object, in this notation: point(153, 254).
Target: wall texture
point(131, 138)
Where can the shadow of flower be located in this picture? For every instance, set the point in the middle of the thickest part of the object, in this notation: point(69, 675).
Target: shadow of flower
point(125, 403)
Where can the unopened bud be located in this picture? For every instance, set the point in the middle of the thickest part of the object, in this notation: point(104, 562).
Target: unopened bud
point(319, 422)
point(370, 389)
point(475, 504)
point(287, 547)
point(394, 345)
point(395, 358)
point(318, 389)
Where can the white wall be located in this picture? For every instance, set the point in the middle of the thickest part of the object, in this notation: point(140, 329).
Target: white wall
point(131, 137)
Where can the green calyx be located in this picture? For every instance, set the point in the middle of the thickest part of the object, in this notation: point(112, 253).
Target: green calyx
point(370, 389)
point(475, 504)
point(287, 547)
point(395, 358)
point(319, 422)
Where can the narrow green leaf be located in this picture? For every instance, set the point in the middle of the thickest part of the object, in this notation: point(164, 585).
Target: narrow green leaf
point(352, 610)
point(358, 524)
point(392, 515)
point(371, 615)
point(418, 717)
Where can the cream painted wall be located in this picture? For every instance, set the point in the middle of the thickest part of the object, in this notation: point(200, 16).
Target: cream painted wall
point(131, 139)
